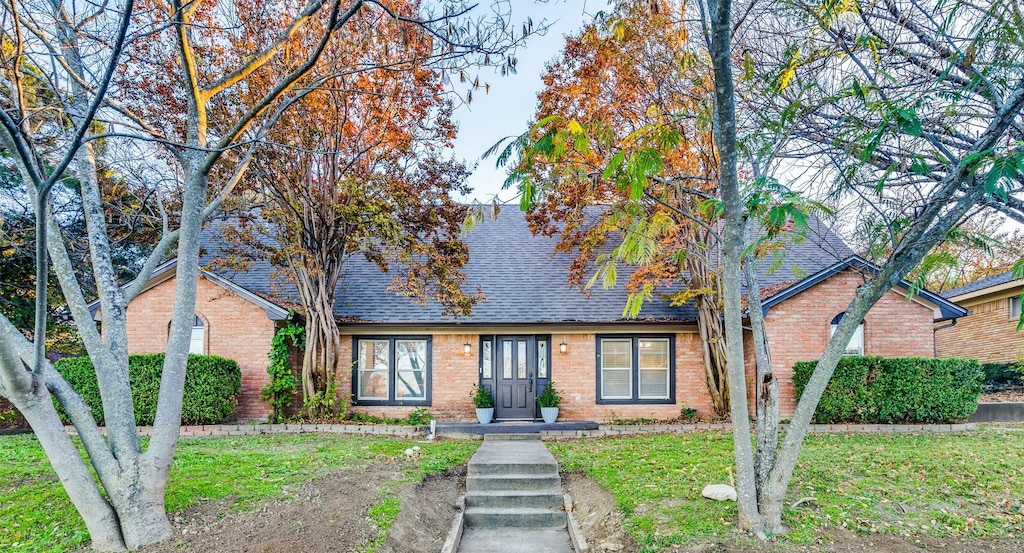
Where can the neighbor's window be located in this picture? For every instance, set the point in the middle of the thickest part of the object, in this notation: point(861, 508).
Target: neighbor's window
point(1015, 307)
point(635, 369)
point(197, 344)
point(856, 345)
point(392, 370)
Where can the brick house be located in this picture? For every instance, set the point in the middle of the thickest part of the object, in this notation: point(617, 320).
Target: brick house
point(531, 329)
point(989, 332)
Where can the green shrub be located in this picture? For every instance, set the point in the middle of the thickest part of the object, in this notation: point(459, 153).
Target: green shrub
point(212, 386)
point(892, 390)
point(1001, 375)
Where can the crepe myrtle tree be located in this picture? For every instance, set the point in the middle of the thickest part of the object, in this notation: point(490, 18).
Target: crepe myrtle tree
point(68, 93)
point(945, 132)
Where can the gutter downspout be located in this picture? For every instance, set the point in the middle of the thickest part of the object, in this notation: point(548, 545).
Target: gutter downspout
point(935, 345)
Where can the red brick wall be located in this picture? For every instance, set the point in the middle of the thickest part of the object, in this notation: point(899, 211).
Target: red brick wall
point(235, 328)
point(798, 329)
point(453, 375)
point(988, 334)
point(573, 373)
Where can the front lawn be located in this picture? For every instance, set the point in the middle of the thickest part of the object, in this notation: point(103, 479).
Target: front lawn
point(967, 484)
point(36, 514)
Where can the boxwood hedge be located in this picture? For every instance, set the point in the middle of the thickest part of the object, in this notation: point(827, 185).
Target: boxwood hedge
point(212, 386)
point(893, 390)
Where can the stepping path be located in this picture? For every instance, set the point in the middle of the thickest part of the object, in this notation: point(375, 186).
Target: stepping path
point(514, 498)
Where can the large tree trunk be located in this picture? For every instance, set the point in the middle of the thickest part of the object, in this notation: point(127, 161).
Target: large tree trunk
point(323, 342)
point(766, 390)
point(720, 45)
point(709, 325)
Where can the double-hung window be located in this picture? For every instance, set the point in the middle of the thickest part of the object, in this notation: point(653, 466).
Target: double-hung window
point(635, 369)
point(391, 370)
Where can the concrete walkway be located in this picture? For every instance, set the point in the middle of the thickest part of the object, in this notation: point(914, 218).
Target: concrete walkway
point(514, 498)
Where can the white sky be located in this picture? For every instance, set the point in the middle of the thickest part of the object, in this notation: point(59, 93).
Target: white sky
point(510, 105)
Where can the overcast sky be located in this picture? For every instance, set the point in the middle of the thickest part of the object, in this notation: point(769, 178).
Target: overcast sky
point(510, 105)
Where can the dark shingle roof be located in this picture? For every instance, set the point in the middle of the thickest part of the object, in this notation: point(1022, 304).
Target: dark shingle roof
point(521, 278)
point(994, 280)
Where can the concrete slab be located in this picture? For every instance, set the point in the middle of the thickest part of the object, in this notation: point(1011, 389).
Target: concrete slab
point(450, 428)
point(530, 452)
point(515, 540)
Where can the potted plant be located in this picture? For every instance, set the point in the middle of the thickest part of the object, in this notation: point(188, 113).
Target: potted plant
point(548, 401)
point(484, 402)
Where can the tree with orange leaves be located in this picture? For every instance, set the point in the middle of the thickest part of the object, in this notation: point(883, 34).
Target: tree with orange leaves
point(195, 86)
point(621, 161)
point(354, 168)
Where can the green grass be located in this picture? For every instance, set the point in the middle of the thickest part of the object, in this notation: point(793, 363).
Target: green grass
point(36, 514)
point(969, 484)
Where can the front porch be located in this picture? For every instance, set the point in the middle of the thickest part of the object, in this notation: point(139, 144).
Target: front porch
point(510, 427)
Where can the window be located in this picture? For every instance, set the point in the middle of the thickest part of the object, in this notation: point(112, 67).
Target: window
point(197, 344)
point(392, 371)
point(856, 345)
point(635, 369)
point(486, 368)
point(1015, 307)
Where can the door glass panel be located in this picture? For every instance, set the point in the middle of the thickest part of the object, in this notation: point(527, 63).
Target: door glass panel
point(521, 372)
point(506, 357)
point(542, 359)
point(373, 369)
point(485, 352)
point(410, 369)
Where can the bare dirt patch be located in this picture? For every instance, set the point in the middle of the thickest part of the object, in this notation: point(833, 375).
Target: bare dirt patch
point(428, 508)
point(594, 509)
point(595, 512)
point(327, 514)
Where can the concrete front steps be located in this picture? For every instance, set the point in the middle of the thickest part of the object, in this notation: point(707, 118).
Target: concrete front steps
point(514, 498)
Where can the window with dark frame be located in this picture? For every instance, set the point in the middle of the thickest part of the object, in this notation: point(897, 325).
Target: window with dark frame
point(856, 345)
point(635, 369)
point(1015, 308)
point(391, 370)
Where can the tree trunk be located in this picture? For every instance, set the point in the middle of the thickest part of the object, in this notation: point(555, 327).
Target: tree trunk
point(766, 386)
point(35, 403)
point(323, 342)
point(317, 283)
point(709, 325)
point(720, 44)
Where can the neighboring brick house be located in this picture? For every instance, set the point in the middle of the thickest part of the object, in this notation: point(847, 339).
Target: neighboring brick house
point(530, 329)
point(989, 332)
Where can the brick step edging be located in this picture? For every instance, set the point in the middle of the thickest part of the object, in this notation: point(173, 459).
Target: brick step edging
point(602, 431)
point(625, 430)
point(261, 429)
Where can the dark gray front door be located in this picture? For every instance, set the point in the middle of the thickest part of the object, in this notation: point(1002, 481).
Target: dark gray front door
point(516, 364)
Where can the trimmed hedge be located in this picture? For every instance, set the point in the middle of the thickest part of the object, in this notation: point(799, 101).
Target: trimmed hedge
point(212, 386)
point(999, 376)
point(894, 390)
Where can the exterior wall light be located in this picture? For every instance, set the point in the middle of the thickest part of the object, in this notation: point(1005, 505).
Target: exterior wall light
point(467, 348)
point(563, 347)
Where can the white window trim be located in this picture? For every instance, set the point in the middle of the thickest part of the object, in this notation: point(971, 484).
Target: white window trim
point(667, 369)
point(858, 338)
point(391, 397)
point(628, 369)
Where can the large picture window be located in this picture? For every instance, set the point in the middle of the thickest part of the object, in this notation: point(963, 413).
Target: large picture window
point(392, 370)
point(635, 369)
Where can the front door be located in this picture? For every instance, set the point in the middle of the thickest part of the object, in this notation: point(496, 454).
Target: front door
point(516, 371)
